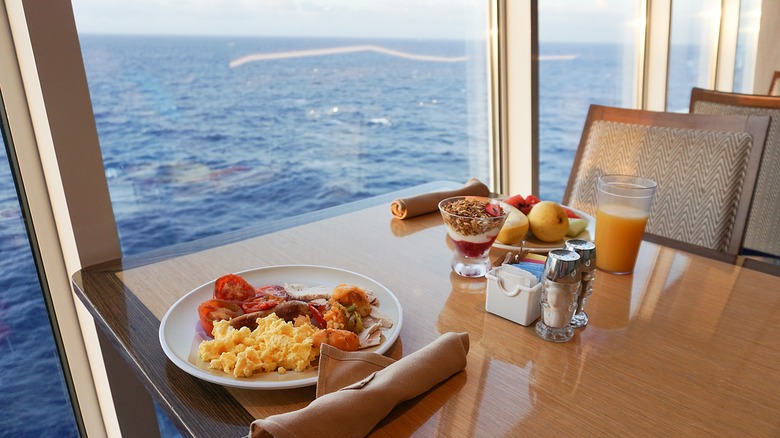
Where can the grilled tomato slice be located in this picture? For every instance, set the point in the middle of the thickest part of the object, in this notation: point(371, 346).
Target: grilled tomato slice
point(217, 310)
point(233, 287)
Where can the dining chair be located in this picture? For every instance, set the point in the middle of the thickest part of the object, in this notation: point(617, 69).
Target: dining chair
point(705, 167)
point(763, 220)
point(774, 86)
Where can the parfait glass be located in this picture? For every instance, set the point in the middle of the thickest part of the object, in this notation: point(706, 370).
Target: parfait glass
point(473, 223)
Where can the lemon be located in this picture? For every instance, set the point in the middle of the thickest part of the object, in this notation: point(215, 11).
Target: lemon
point(515, 227)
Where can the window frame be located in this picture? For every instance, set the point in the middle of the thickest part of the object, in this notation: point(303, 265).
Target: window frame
point(514, 97)
point(61, 185)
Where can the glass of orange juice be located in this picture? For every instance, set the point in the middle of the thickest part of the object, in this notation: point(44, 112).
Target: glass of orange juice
point(622, 210)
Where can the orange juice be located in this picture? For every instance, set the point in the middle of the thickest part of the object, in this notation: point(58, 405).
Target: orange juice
point(619, 231)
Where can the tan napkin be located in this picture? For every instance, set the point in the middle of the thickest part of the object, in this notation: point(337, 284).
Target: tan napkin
point(375, 384)
point(421, 204)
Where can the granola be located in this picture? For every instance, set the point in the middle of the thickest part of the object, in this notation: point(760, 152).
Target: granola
point(468, 217)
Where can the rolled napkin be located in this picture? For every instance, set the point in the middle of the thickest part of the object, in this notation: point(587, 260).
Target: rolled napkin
point(375, 384)
point(421, 204)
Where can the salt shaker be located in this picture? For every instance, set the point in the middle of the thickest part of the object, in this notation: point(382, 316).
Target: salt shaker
point(587, 251)
point(560, 288)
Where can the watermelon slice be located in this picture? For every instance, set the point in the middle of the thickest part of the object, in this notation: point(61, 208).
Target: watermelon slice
point(571, 214)
point(515, 201)
point(528, 204)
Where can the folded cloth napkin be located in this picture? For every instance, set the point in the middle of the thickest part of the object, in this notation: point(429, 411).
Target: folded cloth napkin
point(375, 384)
point(421, 204)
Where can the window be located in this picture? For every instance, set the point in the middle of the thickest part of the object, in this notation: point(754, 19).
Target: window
point(747, 41)
point(588, 54)
point(693, 49)
point(262, 112)
point(268, 111)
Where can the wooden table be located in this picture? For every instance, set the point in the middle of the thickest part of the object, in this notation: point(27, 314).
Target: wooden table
point(686, 346)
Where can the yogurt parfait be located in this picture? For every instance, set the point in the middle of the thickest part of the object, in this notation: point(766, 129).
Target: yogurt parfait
point(473, 223)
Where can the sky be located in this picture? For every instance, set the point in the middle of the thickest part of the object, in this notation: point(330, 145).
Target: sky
point(337, 18)
point(560, 20)
point(587, 21)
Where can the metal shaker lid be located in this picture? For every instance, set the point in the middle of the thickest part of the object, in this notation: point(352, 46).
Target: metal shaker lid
point(587, 251)
point(562, 266)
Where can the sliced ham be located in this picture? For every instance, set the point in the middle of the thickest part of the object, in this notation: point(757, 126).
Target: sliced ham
point(371, 336)
point(308, 293)
point(377, 317)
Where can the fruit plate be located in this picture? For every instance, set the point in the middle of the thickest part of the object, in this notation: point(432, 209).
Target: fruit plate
point(533, 244)
point(180, 335)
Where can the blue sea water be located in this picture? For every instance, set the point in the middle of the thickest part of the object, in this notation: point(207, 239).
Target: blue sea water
point(194, 148)
point(186, 136)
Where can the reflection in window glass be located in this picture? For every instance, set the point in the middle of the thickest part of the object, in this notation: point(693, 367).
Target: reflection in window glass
point(587, 55)
point(213, 119)
point(28, 353)
point(747, 41)
point(692, 51)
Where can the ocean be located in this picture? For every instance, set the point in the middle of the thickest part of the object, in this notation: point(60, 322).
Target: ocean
point(193, 147)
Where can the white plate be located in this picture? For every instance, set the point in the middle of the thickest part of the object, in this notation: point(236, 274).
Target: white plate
point(180, 333)
point(533, 244)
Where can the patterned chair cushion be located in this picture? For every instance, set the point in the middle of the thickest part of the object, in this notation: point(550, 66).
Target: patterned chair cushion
point(764, 217)
point(700, 175)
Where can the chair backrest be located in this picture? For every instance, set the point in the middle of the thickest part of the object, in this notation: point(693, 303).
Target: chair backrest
point(763, 221)
point(703, 165)
point(774, 86)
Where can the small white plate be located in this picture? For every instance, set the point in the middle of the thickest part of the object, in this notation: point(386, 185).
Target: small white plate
point(533, 244)
point(180, 332)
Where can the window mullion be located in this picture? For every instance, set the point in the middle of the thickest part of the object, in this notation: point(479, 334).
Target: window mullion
point(727, 45)
point(655, 70)
point(517, 116)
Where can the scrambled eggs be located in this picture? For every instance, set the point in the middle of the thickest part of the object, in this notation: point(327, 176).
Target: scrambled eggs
point(275, 345)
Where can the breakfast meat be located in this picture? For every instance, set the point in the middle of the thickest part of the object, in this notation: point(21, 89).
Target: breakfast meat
point(371, 336)
point(308, 293)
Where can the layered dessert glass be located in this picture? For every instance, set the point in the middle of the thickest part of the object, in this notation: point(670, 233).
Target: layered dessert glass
point(473, 223)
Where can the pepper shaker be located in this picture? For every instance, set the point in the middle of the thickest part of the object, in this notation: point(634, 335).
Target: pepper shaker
point(587, 251)
point(560, 288)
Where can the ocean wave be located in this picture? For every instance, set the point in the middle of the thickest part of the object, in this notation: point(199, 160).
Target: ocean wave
point(384, 121)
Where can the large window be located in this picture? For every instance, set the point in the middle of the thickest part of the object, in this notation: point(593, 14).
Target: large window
point(587, 54)
point(268, 111)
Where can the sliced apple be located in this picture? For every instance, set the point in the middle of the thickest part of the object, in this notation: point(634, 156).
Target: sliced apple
point(576, 226)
